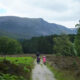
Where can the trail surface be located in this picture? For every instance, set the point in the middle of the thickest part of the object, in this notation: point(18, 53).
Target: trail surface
point(41, 72)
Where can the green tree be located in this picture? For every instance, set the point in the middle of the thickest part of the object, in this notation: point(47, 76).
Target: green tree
point(9, 46)
point(3, 44)
point(44, 45)
point(14, 47)
point(77, 40)
point(63, 46)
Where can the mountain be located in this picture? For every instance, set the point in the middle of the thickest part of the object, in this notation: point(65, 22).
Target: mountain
point(74, 30)
point(18, 27)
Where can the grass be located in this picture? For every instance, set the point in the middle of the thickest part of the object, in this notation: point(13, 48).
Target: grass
point(61, 74)
point(19, 68)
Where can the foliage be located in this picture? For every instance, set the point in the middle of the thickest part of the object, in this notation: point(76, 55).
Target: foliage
point(77, 42)
point(10, 77)
point(41, 44)
point(9, 46)
point(77, 39)
point(72, 37)
point(16, 68)
point(44, 45)
point(63, 46)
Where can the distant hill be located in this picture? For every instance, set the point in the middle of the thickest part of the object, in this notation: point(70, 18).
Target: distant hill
point(74, 30)
point(18, 27)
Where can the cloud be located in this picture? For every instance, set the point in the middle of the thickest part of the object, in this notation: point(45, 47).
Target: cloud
point(54, 5)
point(53, 11)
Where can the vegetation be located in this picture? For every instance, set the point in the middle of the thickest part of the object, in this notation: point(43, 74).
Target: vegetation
point(77, 40)
point(64, 68)
point(20, 28)
point(16, 68)
point(10, 77)
point(64, 65)
point(43, 44)
point(61, 75)
point(63, 46)
point(9, 46)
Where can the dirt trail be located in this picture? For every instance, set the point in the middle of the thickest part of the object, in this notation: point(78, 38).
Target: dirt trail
point(41, 72)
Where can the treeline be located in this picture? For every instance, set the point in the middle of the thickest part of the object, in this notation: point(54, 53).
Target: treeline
point(9, 46)
point(66, 45)
point(63, 46)
point(43, 44)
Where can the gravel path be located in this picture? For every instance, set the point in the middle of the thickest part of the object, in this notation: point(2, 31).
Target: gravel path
point(41, 72)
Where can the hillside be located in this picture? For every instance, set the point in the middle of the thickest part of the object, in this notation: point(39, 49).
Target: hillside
point(74, 30)
point(17, 27)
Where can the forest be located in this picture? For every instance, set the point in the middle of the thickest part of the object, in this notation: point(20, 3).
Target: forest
point(43, 44)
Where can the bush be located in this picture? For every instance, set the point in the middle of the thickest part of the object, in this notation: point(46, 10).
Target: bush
point(63, 46)
point(9, 46)
point(10, 77)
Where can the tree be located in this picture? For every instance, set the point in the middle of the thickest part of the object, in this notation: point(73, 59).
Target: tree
point(77, 40)
point(63, 46)
point(44, 45)
point(14, 47)
point(9, 46)
point(3, 44)
point(78, 25)
point(30, 46)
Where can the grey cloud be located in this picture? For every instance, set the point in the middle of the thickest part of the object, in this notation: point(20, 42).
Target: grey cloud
point(59, 10)
point(50, 5)
point(55, 7)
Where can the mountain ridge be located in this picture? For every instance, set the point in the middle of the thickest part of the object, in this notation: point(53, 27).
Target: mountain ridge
point(31, 27)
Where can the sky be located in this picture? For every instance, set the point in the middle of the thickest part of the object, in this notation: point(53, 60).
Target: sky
point(63, 12)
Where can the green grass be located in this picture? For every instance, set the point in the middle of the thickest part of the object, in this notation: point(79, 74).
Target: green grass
point(26, 64)
point(17, 60)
